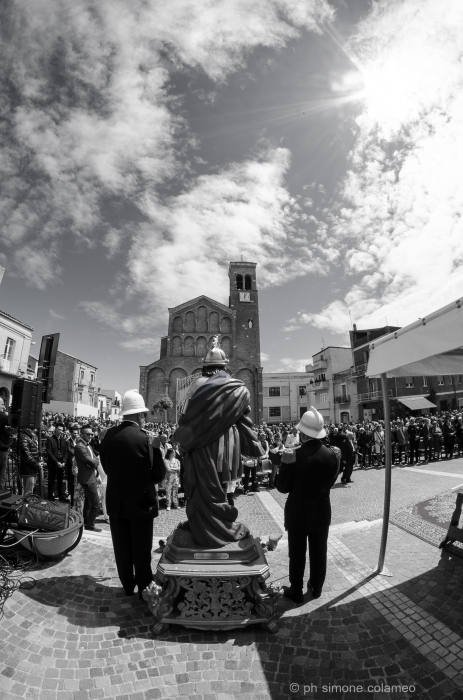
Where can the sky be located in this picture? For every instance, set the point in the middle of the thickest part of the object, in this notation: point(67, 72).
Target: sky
point(145, 145)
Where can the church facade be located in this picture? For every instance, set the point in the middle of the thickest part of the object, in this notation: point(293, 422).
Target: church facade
point(193, 324)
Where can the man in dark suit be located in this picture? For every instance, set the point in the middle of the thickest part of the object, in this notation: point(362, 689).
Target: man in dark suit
point(133, 467)
point(307, 475)
point(87, 476)
point(71, 443)
point(57, 452)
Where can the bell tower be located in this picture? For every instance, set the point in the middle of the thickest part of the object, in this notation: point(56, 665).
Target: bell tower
point(244, 300)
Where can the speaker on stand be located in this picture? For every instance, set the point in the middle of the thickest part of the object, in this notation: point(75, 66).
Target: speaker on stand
point(25, 412)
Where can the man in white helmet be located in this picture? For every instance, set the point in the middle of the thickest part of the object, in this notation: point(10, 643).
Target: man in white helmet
point(307, 474)
point(133, 467)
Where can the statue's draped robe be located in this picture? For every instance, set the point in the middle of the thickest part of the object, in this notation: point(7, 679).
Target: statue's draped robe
point(213, 432)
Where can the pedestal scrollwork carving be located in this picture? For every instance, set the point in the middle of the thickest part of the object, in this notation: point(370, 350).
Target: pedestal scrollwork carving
point(222, 589)
point(161, 601)
point(265, 599)
point(214, 598)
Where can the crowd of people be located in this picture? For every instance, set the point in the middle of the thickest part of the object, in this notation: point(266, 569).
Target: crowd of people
point(362, 445)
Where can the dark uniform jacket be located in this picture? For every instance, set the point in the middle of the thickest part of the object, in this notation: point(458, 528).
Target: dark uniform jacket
point(124, 454)
point(87, 463)
point(308, 481)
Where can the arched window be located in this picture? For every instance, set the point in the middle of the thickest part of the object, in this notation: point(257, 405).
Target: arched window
point(226, 345)
point(201, 346)
point(239, 281)
point(177, 325)
point(225, 326)
point(189, 321)
point(214, 322)
point(156, 386)
point(202, 319)
point(248, 282)
point(189, 346)
point(176, 346)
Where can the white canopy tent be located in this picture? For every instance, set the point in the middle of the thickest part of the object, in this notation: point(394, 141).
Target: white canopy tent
point(433, 345)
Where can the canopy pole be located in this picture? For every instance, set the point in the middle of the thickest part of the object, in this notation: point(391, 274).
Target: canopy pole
point(387, 473)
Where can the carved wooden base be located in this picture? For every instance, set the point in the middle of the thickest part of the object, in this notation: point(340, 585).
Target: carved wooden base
point(208, 592)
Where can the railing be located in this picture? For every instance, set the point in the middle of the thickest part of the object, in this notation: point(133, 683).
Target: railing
point(182, 392)
point(315, 385)
point(320, 364)
point(372, 395)
point(14, 367)
point(350, 373)
point(358, 370)
point(342, 399)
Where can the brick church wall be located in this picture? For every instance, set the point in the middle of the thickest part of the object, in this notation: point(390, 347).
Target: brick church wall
point(191, 328)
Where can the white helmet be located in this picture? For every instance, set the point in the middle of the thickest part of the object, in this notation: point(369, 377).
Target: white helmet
point(132, 403)
point(312, 424)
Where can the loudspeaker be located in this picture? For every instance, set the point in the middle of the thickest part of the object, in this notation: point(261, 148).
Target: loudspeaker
point(46, 366)
point(26, 403)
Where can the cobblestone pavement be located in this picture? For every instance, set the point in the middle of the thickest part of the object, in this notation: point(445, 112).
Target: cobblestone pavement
point(364, 498)
point(76, 636)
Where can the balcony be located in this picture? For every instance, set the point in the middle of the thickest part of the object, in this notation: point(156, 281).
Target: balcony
point(372, 396)
point(359, 370)
point(14, 367)
point(319, 364)
point(316, 385)
point(342, 399)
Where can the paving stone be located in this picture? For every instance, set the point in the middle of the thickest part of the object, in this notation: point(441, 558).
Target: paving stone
point(76, 636)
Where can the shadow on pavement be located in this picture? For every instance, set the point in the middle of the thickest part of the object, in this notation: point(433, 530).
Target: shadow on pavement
point(344, 641)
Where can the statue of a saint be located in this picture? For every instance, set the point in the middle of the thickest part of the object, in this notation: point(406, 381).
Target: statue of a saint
point(214, 430)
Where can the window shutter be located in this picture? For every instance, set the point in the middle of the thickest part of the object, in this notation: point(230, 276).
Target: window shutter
point(286, 412)
point(285, 390)
point(265, 412)
point(265, 390)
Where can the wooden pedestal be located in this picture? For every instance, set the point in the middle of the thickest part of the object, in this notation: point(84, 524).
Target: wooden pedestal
point(211, 589)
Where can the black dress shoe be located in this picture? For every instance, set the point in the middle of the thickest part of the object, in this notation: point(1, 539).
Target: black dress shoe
point(315, 594)
point(297, 598)
point(93, 529)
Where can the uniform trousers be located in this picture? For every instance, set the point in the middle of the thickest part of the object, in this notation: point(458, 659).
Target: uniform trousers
point(297, 550)
point(133, 542)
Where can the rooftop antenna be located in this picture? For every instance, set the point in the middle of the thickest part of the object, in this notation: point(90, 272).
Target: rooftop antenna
point(386, 321)
point(350, 318)
point(323, 343)
point(2, 272)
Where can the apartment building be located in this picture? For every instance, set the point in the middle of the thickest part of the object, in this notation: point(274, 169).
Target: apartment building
point(109, 404)
point(333, 404)
point(285, 396)
point(436, 392)
point(15, 343)
point(75, 389)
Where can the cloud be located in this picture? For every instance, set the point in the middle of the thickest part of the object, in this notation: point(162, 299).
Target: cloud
point(397, 225)
point(264, 357)
point(289, 364)
point(56, 316)
point(243, 210)
point(87, 114)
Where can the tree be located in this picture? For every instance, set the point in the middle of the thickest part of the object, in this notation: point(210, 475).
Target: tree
point(164, 403)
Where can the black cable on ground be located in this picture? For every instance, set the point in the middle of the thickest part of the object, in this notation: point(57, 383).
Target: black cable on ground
point(13, 567)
